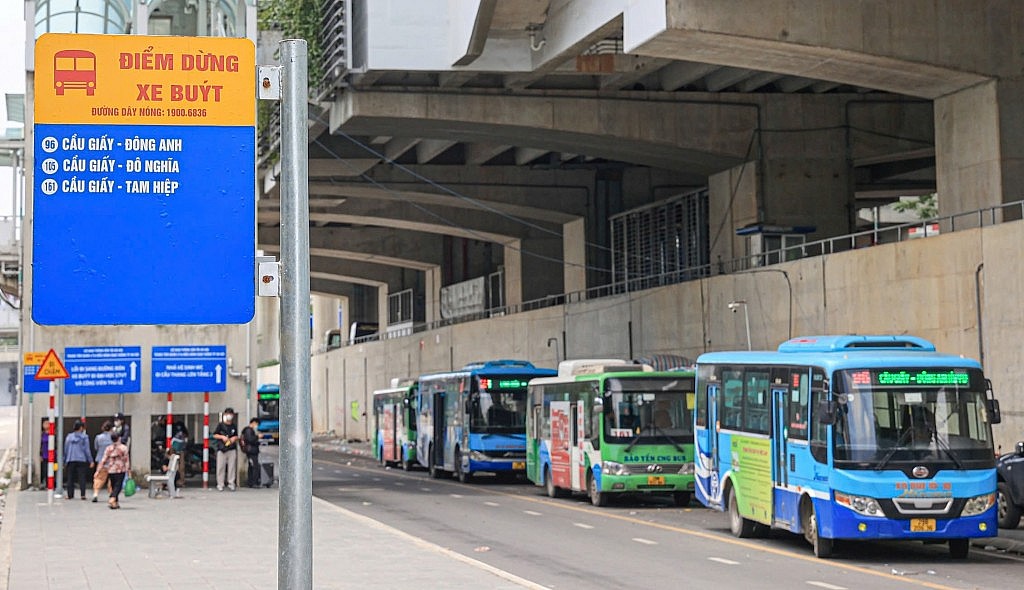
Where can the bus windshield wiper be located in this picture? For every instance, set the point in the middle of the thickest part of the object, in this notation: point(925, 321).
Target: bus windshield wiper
point(636, 439)
point(944, 447)
point(678, 446)
point(904, 438)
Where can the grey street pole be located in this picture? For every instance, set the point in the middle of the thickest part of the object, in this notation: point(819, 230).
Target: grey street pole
point(295, 503)
point(58, 441)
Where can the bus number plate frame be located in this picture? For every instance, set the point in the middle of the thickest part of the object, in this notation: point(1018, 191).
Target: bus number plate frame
point(922, 525)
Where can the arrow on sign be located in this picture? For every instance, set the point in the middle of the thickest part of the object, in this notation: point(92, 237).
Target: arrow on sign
point(133, 367)
point(217, 369)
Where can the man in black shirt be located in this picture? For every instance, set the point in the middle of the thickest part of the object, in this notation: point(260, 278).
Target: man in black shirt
point(251, 448)
point(226, 435)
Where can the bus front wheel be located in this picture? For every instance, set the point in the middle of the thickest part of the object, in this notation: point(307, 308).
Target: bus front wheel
point(740, 527)
point(681, 499)
point(463, 475)
point(596, 497)
point(959, 548)
point(822, 547)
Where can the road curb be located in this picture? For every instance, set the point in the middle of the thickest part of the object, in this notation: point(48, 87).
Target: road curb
point(1004, 544)
point(342, 447)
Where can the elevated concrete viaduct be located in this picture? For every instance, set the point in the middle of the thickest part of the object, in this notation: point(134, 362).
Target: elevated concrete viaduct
point(594, 119)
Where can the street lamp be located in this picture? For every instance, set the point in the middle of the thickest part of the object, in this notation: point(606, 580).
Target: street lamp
point(557, 355)
point(734, 305)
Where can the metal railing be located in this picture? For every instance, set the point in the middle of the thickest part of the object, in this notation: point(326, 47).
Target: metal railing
point(864, 239)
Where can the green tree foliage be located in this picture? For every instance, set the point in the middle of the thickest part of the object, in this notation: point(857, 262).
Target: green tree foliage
point(925, 207)
point(297, 19)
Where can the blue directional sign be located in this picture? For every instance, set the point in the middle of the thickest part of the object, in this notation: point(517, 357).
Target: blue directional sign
point(144, 189)
point(103, 369)
point(189, 369)
point(32, 385)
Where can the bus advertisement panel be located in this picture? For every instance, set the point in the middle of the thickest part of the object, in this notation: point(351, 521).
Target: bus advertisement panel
point(474, 420)
point(394, 425)
point(848, 437)
point(609, 427)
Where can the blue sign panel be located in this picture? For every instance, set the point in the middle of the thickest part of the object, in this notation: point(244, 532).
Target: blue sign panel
point(189, 369)
point(32, 385)
point(103, 369)
point(140, 225)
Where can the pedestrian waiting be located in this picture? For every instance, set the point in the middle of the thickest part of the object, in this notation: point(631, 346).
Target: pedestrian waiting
point(115, 462)
point(251, 448)
point(44, 454)
point(226, 442)
point(101, 478)
point(77, 459)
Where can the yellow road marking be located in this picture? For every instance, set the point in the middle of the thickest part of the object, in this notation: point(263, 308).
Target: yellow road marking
point(684, 531)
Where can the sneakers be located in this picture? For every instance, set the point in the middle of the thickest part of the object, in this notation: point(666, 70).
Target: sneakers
point(231, 487)
point(220, 488)
point(95, 499)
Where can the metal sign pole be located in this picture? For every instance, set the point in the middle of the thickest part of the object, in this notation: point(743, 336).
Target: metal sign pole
point(295, 503)
point(59, 443)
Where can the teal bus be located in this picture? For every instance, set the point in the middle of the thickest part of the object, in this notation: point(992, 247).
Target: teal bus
point(609, 427)
point(394, 420)
point(848, 437)
point(268, 410)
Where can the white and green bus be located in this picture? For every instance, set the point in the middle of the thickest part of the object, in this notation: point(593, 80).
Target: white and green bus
point(608, 427)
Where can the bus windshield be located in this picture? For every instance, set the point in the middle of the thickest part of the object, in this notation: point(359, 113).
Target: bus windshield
point(649, 410)
point(500, 409)
point(889, 417)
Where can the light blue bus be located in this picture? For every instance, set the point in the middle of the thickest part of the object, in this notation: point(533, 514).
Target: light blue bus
point(474, 420)
point(848, 437)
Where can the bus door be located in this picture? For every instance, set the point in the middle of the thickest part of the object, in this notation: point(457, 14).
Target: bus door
point(708, 449)
point(561, 442)
point(439, 428)
point(577, 415)
point(390, 430)
point(785, 503)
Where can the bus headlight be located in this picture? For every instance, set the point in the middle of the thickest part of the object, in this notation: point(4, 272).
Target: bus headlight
point(478, 456)
point(613, 468)
point(686, 469)
point(978, 504)
point(859, 504)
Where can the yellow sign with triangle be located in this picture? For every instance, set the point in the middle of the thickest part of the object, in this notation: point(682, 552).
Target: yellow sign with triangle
point(52, 368)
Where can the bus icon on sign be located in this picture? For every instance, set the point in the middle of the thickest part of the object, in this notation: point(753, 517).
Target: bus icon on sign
point(74, 69)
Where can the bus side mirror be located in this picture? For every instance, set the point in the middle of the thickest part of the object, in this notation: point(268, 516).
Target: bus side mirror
point(827, 411)
point(598, 407)
point(994, 415)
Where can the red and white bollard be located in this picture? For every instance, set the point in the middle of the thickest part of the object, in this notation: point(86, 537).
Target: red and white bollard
point(170, 418)
point(51, 445)
point(206, 439)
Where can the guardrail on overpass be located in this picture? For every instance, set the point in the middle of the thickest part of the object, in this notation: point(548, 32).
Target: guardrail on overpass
point(864, 239)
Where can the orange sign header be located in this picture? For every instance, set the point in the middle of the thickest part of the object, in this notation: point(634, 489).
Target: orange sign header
point(34, 358)
point(145, 80)
point(52, 368)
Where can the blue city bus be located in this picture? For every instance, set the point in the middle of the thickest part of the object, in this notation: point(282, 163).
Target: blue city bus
point(848, 437)
point(268, 408)
point(474, 419)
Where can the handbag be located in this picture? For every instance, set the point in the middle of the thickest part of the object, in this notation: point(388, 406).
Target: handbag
point(130, 486)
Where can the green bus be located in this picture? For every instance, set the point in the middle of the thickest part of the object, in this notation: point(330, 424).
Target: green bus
point(608, 427)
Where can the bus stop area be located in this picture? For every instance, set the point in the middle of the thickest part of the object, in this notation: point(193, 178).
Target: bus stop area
point(212, 540)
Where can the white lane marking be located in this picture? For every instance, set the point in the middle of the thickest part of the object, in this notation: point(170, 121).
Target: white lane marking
point(319, 468)
point(826, 585)
point(355, 475)
point(491, 504)
point(644, 541)
point(425, 489)
point(723, 560)
point(531, 512)
point(376, 479)
point(455, 495)
point(399, 484)
point(582, 526)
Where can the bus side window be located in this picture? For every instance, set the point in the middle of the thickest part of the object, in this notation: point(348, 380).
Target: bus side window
point(799, 398)
point(731, 412)
point(819, 431)
point(701, 398)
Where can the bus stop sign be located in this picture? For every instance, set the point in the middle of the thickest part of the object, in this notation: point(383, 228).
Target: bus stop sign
point(144, 189)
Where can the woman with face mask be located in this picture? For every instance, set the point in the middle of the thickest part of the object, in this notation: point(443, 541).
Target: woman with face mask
point(226, 434)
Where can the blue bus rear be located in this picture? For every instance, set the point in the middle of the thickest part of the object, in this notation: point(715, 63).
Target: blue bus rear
point(848, 437)
point(474, 420)
point(268, 405)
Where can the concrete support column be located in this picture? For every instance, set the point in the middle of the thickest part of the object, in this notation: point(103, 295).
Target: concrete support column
point(382, 309)
point(513, 272)
point(574, 255)
point(432, 293)
point(732, 203)
point(325, 318)
point(979, 146)
point(345, 317)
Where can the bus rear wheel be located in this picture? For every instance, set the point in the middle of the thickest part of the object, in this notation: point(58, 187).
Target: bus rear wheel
point(822, 547)
point(549, 485)
point(596, 497)
point(740, 527)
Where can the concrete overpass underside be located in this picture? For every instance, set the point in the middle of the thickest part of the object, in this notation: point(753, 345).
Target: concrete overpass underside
point(513, 150)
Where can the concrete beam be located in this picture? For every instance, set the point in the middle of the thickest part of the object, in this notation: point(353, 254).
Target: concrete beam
point(397, 147)
point(795, 83)
point(526, 155)
point(679, 74)
point(697, 138)
point(399, 224)
point(428, 149)
point(456, 79)
point(327, 167)
point(481, 153)
point(726, 77)
point(640, 68)
point(899, 47)
point(757, 81)
point(410, 250)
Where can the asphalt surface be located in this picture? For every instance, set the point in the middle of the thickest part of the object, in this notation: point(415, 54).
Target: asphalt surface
point(567, 543)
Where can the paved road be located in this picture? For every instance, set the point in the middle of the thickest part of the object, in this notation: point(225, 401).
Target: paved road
point(566, 543)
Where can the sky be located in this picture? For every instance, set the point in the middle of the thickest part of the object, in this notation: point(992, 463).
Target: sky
point(12, 79)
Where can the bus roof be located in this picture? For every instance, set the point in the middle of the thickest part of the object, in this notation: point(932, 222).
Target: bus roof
point(268, 388)
point(393, 390)
point(846, 352)
point(494, 368)
point(638, 374)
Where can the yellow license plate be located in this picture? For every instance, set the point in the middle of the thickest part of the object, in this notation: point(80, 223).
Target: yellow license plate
point(518, 465)
point(655, 480)
point(922, 525)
